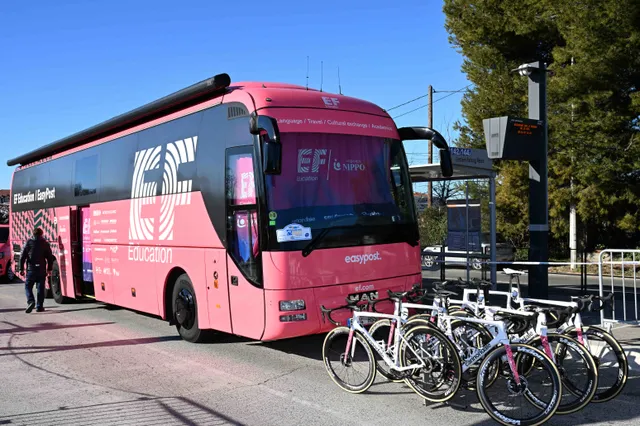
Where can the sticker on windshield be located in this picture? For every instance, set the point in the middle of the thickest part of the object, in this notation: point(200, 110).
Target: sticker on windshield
point(273, 215)
point(293, 232)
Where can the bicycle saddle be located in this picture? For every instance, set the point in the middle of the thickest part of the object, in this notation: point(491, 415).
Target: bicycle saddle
point(474, 283)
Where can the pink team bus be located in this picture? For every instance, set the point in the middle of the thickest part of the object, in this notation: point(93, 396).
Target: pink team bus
point(239, 208)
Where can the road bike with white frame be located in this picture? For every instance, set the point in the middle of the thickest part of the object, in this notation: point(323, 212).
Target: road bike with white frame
point(426, 360)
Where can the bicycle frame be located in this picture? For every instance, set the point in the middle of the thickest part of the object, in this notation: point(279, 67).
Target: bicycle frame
point(574, 320)
point(444, 321)
point(354, 325)
point(501, 338)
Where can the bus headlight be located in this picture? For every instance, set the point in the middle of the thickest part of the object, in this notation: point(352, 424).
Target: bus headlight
point(292, 305)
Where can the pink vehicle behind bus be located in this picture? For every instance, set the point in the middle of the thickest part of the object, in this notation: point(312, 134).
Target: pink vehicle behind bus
point(239, 208)
point(6, 266)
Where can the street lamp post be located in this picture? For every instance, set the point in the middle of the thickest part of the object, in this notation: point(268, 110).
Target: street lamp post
point(536, 73)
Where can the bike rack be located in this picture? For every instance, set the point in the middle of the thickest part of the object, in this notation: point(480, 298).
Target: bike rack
point(629, 261)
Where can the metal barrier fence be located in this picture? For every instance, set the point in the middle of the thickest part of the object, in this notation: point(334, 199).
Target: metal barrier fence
point(618, 273)
point(629, 263)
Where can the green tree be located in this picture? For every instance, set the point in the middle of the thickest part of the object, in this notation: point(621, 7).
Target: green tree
point(592, 49)
point(432, 223)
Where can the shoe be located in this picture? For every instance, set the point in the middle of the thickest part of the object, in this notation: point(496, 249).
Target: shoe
point(40, 309)
point(30, 307)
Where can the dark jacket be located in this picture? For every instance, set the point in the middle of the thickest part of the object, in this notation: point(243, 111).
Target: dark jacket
point(35, 253)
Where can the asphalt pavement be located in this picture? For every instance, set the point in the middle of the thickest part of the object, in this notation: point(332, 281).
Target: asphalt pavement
point(88, 364)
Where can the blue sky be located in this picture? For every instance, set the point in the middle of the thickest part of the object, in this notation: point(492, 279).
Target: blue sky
point(70, 64)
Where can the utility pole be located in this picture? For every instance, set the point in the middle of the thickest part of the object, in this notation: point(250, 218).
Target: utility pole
point(573, 236)
point(430, 190)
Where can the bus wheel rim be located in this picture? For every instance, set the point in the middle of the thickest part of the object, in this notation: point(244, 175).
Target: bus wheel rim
point(185, 309)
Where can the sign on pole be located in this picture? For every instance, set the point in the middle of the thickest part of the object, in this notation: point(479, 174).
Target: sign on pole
point(511, 138)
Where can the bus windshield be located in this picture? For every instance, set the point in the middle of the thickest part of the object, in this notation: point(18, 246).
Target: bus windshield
point(326, 179)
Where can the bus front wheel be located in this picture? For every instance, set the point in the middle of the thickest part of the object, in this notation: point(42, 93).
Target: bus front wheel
point(185, 310)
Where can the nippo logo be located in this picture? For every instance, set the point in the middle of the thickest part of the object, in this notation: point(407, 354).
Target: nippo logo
point(175, 192)
point(363, 258)
point(330, 102)
point(350, 166)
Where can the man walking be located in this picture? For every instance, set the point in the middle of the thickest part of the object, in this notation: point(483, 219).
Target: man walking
point(35, 253)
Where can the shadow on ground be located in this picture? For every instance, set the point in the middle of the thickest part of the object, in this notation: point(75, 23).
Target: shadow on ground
point(160, 411)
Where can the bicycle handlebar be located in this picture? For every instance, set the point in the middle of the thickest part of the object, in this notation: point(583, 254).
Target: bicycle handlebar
point(475, 283)
point(604, 301)
point(353, 305)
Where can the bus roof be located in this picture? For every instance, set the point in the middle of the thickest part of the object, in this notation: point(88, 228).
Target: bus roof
point(265, 95)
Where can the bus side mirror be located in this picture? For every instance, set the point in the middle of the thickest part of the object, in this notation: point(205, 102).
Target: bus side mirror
point(418, 133)
point(272, 148)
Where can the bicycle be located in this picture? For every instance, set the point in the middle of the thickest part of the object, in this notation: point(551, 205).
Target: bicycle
point(568, 321)
point(436, 357)
point(491, 357)
point(567, 353)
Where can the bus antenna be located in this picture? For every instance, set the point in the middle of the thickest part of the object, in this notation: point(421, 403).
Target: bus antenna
point(321, 74)
point(307, 72)
point(339, 85)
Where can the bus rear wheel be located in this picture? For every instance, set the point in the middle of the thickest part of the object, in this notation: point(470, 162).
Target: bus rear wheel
point(9, 276)
point(185, 311)
point(54, 284)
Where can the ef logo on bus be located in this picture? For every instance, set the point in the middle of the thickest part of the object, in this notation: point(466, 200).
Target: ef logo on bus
point(174, 192)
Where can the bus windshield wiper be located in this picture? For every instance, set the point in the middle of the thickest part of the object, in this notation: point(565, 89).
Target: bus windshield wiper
point(314, 242)
point(336, 224)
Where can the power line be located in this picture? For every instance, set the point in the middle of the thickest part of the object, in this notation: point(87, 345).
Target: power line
point(425, 95)
point(451, 93)
point(408, 102)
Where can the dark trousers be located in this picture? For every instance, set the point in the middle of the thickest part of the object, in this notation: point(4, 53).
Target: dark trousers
point(32, 279)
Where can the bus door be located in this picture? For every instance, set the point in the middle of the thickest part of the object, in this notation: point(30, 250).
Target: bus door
point(81, 250)
point(244, 266)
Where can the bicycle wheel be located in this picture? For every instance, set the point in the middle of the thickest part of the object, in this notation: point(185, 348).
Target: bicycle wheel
point(341, 367)
point(380, 330)
point(547, 394)
point(613, 367)
point(470, 338)
point(439, 379)
point(577, 369)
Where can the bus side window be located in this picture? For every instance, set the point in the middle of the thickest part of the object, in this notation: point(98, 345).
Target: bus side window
point(242, 218)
